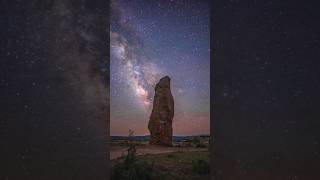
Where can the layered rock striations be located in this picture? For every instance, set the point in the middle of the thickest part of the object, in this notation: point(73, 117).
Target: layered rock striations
point(160, 123)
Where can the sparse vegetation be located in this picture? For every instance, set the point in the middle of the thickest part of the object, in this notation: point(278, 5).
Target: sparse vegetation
point(170, 166)
point(196, 142)
point(131, 168)
point(200, 166)
point(171, 155)
point(179, 165)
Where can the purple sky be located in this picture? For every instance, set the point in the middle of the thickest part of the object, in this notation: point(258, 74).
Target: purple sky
point(151, 39)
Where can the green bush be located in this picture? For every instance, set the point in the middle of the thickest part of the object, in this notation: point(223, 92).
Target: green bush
point(200, 166)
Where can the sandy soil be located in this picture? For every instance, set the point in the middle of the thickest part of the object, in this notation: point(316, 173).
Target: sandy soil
point(150, 149)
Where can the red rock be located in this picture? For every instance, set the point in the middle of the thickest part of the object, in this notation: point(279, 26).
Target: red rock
point(160, 123)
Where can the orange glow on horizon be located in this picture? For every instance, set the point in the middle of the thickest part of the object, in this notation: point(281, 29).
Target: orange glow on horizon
point(182, 126)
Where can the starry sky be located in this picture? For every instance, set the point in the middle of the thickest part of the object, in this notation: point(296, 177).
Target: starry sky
point(53, 96)
point(54, 83)
point(266, 90)
point(151, 39)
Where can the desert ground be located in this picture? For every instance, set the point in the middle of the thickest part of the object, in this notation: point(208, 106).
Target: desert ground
point(173, 164)
point(118, 151)
point(156, 162)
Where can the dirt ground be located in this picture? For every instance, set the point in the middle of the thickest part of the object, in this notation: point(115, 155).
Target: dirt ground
point(151, 149)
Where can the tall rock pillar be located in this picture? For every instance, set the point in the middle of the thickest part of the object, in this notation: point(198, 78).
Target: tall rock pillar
point(160, 123)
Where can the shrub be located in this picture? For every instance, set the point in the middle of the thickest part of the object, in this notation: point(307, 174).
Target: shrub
point(197, 143)
point(170, 155)
point(136, 170)
point(131, 168)
point(200, 166)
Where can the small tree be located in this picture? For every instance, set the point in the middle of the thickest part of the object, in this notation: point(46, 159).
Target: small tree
point(131, 156)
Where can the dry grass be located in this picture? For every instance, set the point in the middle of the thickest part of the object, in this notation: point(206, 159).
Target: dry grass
point(175, 166)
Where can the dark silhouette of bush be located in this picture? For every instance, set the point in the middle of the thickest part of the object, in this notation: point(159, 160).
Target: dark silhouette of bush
point(197, 143)
point(200, 166)
point(131, 168)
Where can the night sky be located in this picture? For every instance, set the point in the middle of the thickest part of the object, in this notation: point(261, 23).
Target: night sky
point(151, 39)
point(266, 90)
point(53, 89)
point(54, 76)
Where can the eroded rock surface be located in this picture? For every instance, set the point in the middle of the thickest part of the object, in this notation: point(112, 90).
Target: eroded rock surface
point(160, 123)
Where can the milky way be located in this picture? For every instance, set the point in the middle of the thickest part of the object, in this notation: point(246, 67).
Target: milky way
point(141, 76)
point(126, 48)
point(148, 41)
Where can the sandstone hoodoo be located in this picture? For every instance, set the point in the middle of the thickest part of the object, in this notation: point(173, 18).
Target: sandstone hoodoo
point(160, 123)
